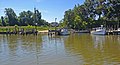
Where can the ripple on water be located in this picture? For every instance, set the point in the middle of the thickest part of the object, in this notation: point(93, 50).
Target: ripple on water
point(71, 50)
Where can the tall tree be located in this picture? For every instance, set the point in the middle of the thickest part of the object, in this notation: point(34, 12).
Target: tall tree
point(26, 18)
point(11, 15)
point(93, 13)
point(37, 17)
point(3, 22)
point(69, 18)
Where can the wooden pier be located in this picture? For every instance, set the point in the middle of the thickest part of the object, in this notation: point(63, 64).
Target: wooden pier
point(52, 32)
point(113, 32)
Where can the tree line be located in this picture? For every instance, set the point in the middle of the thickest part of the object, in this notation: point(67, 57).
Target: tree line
point(25, 18)
point(93, 13)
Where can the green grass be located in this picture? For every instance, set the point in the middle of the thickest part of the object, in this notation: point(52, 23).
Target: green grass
point(12, 28)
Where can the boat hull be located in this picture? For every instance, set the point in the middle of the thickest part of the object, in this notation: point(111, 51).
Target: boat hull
point(98, 32)
point(64, 33)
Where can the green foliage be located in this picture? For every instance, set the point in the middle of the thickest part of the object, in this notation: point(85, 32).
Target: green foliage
point(62, 24)
point(11, 15)
point(0, 22)
point(25, 18)
point(93, 13)
point(29, 27)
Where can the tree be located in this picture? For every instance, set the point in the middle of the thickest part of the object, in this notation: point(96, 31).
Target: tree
point(31, 18)
point(3, 22)
point(26, 18)
point(93, 13)
point(37, 17)
point(69, 18)
point(12, 17)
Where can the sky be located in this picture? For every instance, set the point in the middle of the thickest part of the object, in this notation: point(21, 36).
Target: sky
point(50, 9)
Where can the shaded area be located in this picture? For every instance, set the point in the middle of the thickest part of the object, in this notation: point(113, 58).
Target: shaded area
point(96, 50)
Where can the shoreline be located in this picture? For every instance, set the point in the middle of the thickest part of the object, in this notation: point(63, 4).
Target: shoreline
point(43, 31)
point(13, 32)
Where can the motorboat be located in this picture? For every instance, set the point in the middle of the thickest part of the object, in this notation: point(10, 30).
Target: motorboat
point(64, 31)
point(99, 31)
point(118, 30)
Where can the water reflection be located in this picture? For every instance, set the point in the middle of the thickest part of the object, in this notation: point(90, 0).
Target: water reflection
point(94, 50)
point(16, 47)
point(99, 40)
point(76, 49)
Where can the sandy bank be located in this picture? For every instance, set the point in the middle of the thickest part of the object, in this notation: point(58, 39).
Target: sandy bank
point(44, 31)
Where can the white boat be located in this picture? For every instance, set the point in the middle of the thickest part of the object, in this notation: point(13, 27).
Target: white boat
point(118, 31)
point(99, 31)
point(64, 31)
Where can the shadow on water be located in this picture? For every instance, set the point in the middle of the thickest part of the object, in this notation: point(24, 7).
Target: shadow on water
point(94, 49)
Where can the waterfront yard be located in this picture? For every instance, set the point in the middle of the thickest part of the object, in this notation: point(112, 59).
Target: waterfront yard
point(18, 28)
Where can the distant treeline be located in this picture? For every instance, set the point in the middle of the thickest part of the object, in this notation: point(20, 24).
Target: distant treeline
point(25, 18)
point(93, 13)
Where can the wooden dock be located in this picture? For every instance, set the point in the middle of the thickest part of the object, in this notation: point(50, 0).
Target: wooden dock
point(52, 32)
point(113, 32)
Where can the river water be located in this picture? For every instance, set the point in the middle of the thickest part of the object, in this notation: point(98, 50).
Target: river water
point(75, 49)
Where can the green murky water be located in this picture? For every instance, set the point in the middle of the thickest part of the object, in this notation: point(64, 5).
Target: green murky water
point(76, 49)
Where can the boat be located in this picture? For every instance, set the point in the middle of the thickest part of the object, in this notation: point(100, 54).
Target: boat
point(99, 31)
point(63, 31)
point(118, 30)
point(82, 31)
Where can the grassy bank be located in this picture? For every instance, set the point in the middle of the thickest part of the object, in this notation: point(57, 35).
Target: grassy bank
point(13, 28)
